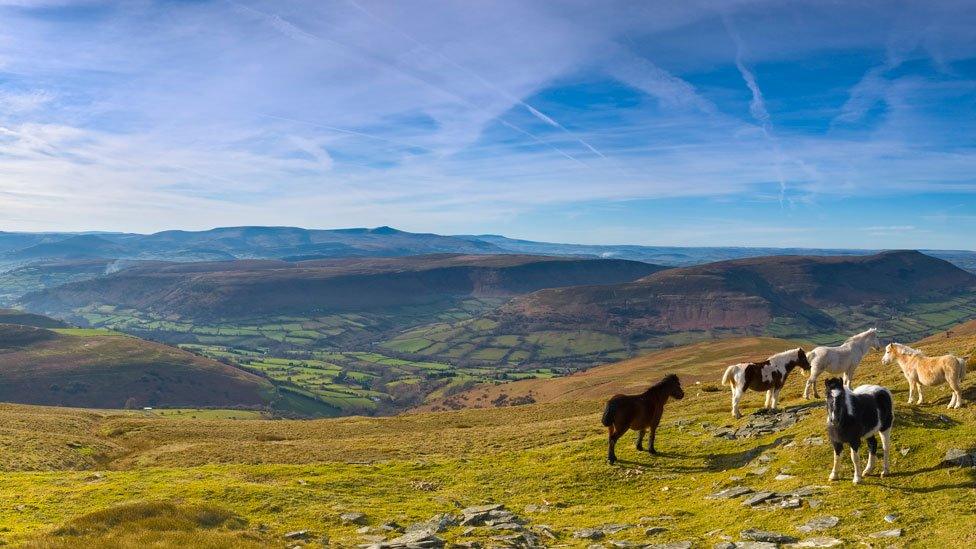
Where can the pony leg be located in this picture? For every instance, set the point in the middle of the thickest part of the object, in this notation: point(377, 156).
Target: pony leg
point(918, 390)
point(812, 380)
point(776, 397)
point(857, 462)
point(911, 391)
point(838, 447)
point(769, 399)
point(650, 441)
point(640, 440)
point(614, 435)
point(872, 451)
point(885, 441)
point(956, 400)
point(736, 397)
point(848, 377)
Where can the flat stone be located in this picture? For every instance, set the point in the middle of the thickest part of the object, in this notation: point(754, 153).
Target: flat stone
point(733, 492)
point(758, 498)
point(891, 518)
point(895, 533)
point(904, 451)
point(817, 524)
point(589, 533)
point(624, 543)
point(804, 492)
point(782, 476)
point(813, 441)
point(414, 539)
point(755, 545)
point(298, 534)
point(814, 503)
point(753, 534)
point(533, 508)
point(352, 518)
point(759, 471)
point(957, 457)
point(479, 509)
point(816, 542)
point(672, 545)
point(653, 530)
point(615, 528)
point(435, 525)
point(724, 545)
point(791, 503)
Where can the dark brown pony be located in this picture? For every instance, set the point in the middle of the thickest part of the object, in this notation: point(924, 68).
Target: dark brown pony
point(640, 413)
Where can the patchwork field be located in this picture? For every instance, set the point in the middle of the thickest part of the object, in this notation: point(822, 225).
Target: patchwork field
point(82, 478)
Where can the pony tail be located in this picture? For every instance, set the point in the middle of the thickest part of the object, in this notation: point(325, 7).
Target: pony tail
point(609, 412)
point(727, 376)
point(963, 360)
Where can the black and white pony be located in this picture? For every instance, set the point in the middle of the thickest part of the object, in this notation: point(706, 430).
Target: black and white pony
point(858, 414)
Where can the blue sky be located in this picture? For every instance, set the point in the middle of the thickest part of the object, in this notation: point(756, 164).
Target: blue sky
point(821, 124)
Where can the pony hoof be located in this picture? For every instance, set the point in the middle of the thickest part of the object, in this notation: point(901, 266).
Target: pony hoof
point(832, 477)
point(884, 473)
point(857, 480)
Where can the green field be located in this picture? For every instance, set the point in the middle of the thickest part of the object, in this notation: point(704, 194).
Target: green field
point(76, 478)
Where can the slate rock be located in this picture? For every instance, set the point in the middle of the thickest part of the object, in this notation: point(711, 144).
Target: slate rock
point(753, 534)
point(758, 498)
point(353, 518)
point(298, 534)
point(755, 545)
point(589, 533)
point(654, 530)
point(895, 533)
point(816, 542)
point(956, 457)
point(733, 492)
point(817, 524)
point(672, 545)
point(891, 518)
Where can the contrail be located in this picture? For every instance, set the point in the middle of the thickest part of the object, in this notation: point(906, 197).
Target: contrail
point(757, 106)
point(293, 32)
point(487, 83)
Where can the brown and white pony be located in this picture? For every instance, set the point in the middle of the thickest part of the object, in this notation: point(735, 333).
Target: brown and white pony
point(929, 371)
point(768, 375)
point(640, 413)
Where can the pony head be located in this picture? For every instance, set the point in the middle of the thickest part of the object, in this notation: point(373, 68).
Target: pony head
point(801, 359)
point(674, 387)
point(836, 403)
point(889, 354)
point(872, 338)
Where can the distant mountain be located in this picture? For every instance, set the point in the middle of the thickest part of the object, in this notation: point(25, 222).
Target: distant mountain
point(85, 368)
point(297, 244)
point(746, 294)
point(905, 294)
point(273, 287)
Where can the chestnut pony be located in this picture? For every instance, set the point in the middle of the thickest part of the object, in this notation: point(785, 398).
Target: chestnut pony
point(640, 413)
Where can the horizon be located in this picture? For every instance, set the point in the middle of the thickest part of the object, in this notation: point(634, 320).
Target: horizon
point(697, 125)
point(96, 232)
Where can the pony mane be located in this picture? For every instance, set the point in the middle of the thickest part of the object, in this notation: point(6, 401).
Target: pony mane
point(667, 380)
point(902, 348)
point(862, 335)
point(793, 353)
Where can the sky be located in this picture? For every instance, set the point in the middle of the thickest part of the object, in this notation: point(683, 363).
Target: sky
point(743, 123)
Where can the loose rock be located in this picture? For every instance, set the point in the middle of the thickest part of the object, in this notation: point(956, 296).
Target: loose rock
point(761, 535)
point(733, 492)
point(298, 534)
point(758, 498)
point(956, 457)
point(816, 542)
point(589, 533)
point(895, 533)
point(353, 518)
point(819, 523)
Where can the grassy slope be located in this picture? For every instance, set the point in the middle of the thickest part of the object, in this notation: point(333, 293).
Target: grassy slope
point(697, 362)
point(288, 475)
point(83, 367)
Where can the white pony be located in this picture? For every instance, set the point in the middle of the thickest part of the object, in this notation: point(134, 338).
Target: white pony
point(843, 359)
point(924, 370)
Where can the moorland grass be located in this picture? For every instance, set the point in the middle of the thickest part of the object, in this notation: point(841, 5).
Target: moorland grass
point(280, 476)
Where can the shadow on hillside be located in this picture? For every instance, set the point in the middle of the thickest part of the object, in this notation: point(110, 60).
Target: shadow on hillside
point(968, 472)
point(734, 460)
point(915, 417)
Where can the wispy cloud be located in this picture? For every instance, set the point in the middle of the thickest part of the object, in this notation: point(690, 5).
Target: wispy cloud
point(441, 116)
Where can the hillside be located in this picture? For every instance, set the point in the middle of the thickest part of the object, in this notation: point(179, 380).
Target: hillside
point(73, 367)
point(748, 293)
point(13, 316)
point(261, 287)
point(694, 363)
point(125, 479)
